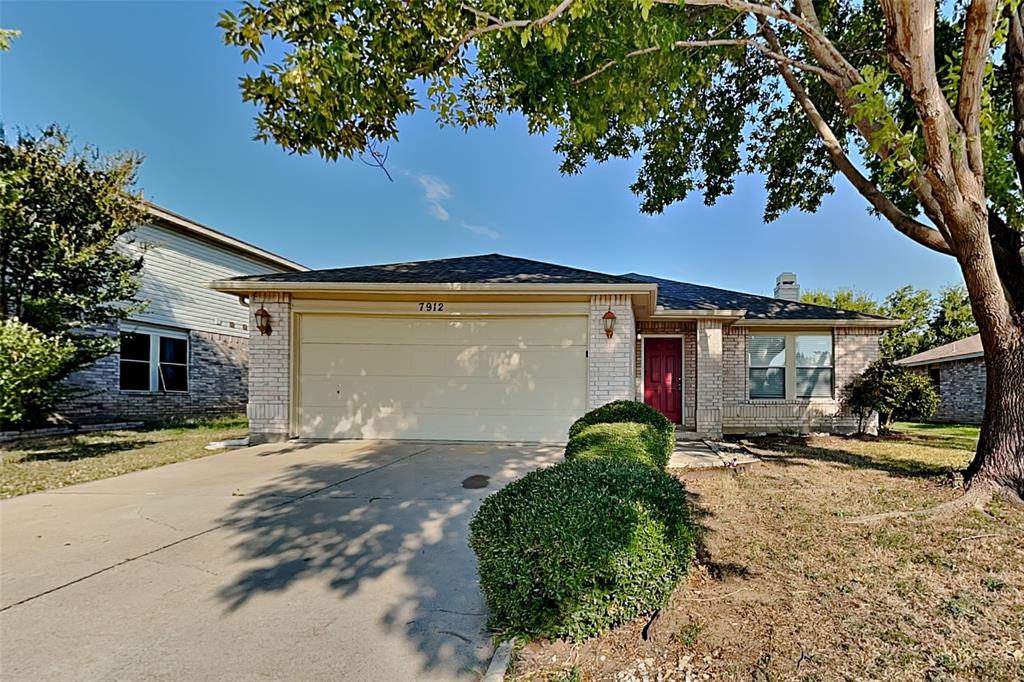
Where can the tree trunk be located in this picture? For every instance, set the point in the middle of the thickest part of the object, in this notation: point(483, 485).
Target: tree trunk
point(998, 465)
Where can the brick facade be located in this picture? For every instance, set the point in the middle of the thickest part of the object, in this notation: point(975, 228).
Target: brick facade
point(854, 349)
point(710, 378)
point(217, 384)
point(961, 385)
point(269, 362)
point(611, 360)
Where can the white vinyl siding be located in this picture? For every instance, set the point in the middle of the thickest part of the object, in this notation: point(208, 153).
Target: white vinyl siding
point(176, 270)
point(790, 366)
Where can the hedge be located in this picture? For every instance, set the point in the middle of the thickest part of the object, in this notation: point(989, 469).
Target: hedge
point(628, 441)
point(628, 411)
point(574, 549)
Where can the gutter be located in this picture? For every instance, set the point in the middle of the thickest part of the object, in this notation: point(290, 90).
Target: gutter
point(908, 362)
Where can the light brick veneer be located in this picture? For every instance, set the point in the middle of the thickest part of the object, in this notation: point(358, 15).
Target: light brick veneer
point(269, 359)
point(855, 348)
point(611, 359)
point(709, 378)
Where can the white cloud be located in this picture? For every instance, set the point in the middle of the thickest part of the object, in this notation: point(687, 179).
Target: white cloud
point(438, 211)
point(436, 191)
point(482, 230)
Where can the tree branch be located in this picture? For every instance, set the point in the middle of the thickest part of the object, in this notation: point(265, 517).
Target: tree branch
point(980, 24)
point(1014, 59)
point(919, 232)
point(715, 42)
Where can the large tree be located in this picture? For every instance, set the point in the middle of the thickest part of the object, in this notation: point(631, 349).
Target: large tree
point(919, 107)
point(63, 214)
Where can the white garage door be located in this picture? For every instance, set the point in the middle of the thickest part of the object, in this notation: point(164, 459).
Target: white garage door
point(451, 378)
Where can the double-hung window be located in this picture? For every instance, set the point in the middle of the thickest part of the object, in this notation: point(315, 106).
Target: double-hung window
point(767, 366)
point(788, 366)
point(154, 361)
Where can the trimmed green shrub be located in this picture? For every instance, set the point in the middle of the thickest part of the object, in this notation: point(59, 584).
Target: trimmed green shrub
point(623, 411)
point(30, 373)
point(893, 391)
point(628, 441)
point(574, 549)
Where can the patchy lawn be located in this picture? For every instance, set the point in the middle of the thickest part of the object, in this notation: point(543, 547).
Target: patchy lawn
point(34, 464)
point(786, 588)
point(956, 436)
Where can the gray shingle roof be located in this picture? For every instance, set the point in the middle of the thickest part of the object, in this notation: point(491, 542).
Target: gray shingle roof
point(492, 268)
point(969, 347)
point(685, 296)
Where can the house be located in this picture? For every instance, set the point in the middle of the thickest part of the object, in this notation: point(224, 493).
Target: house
point(499, 348)
point(187, 351)
point(958, 372)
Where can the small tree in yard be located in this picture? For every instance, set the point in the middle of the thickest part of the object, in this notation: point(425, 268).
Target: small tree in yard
point(891, 391)
point(931, 98)
point(62, 214)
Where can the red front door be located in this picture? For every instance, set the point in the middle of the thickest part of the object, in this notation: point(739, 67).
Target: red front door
point(663, 377)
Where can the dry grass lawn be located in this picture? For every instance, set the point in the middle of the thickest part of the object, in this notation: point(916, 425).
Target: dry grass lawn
point(35, 464)
point(787, 589)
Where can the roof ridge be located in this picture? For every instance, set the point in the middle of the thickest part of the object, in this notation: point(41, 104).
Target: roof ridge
point(766, 298)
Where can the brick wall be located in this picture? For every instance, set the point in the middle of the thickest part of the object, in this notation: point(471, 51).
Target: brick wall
point(710, 377)
point(612, 360)
point(855, 348)
point(269, 375)
point(218, 384)
point(961, 390)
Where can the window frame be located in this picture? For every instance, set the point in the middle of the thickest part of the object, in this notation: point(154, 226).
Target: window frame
point(791, 367)
point(154, 363)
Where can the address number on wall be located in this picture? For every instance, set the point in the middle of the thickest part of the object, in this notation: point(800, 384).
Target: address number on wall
point(431, 307)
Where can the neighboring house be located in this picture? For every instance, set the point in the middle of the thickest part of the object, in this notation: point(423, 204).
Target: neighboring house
point(187, 352)
point(958, 372)
point(499, 348)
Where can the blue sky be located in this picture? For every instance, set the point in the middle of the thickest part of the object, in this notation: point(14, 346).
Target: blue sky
point(155, 77)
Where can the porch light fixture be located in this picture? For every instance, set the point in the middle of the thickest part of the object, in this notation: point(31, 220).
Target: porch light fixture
point(263, 322)
point(609, 323)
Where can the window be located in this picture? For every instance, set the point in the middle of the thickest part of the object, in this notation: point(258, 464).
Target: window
point(936, 376)
point(134, 361)
point(767, 366)
point(782, 366)
point(154, 361)
point(814, 366)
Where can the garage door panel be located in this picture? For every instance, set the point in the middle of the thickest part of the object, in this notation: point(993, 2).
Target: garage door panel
point(443, 394)
point(343, 360)
point(555, 331)
point(400, 424)
point(479, 379)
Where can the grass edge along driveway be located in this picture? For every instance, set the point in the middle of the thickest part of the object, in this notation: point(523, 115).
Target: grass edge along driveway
point(34, 464)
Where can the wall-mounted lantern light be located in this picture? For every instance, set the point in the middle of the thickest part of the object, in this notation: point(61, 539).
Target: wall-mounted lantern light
point(263, 322)
point(609, 323)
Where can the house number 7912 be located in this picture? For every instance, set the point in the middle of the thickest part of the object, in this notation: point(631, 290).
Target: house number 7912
point(431, 307)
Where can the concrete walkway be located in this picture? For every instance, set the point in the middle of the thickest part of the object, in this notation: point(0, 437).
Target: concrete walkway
point(325, 561)
point(694, 453)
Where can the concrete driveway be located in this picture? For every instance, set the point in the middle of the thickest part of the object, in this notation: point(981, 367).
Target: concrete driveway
point(303, 561)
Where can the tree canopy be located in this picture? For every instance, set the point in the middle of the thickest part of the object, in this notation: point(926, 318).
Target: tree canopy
point(930, 321)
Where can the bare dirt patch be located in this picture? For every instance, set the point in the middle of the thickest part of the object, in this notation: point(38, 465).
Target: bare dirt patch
point(786, 589)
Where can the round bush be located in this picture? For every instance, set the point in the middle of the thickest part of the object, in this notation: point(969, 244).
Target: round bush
point(627, 441)
point(623, 411)
point(574, 549)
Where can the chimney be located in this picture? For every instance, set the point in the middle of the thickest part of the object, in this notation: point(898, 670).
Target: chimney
point(786, 287)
